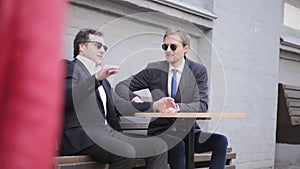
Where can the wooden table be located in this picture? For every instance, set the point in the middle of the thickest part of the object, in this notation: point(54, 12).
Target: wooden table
point(190, 136)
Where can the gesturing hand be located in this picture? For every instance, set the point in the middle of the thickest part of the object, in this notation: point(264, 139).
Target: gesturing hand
point(106, 71)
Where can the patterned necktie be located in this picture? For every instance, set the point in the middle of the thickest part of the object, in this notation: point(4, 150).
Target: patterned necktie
point(174, 84)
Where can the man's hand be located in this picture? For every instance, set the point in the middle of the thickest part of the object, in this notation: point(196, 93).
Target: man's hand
point(106, 71)
point(170, 110)
point(163, 104)
point(137, 100)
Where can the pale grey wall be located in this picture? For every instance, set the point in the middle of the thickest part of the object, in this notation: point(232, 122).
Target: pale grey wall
point(133, 43)
point(246, 36)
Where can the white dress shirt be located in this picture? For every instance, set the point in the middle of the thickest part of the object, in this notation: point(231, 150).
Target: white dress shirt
point(178, 75)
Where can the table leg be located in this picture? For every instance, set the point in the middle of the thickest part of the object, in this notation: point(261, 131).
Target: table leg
point(189, 146)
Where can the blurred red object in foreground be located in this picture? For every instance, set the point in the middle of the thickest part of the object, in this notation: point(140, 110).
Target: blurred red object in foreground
point(30, 82)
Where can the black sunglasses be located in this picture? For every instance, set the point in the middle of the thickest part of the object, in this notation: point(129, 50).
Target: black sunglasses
point(172, 46)
point(99, 45)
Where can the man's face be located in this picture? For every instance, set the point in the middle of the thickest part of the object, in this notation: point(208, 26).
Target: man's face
point(91, 50)
point(175, 57)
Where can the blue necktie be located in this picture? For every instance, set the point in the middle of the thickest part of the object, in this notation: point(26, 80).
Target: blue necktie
point(174, 84)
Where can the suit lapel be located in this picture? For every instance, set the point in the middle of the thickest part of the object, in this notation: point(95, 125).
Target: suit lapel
point(186, 76)
point(164, 77)
point(78, 63)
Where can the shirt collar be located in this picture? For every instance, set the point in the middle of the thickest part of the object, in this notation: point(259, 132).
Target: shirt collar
point(180, 67)
point(91, 66)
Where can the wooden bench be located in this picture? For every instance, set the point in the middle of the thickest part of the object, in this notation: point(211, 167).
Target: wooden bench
point(288, 114)
point(201, 160)
point(292, 96)
point(85, 162)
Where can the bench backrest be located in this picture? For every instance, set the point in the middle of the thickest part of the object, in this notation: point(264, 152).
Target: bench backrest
point(292, 96)
point(288, 114)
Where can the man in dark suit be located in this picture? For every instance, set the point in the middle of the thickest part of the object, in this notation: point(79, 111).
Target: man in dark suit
point(91, 123)
point(187, 83)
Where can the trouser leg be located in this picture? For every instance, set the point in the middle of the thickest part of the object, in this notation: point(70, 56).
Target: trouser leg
point(115, 161)
point(176, 156)
point(176, 152)
point(152, 149)
point(157, 162)
point(216, 143)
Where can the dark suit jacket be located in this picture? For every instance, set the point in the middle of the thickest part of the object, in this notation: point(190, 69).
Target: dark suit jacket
point(192, 93)
point(83, 109)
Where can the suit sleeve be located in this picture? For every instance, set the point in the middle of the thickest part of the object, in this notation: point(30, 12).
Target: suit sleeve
point(125, 89)
point(126, 107)
point(77, 90)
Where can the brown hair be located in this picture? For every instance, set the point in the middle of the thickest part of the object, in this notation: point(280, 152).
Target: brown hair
point(82, 37)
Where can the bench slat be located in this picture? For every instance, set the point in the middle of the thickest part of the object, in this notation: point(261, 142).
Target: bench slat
point(292, 96)
point(134, 125)
point(83, 165)
point(71, 159)
point(226, 167)
point(291, 87)
point(294, 112)
point(293, 103)
point(207, 156)
point(139, 163)
point(295, 120)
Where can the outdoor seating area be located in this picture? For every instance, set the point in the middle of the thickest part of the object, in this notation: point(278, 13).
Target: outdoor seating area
point(85, 162)
point(201, 160)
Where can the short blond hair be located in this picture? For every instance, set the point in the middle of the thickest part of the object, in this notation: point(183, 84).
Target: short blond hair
point(184, 36)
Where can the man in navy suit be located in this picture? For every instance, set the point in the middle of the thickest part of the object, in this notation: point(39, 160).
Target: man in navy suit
point(187, 83)
point(91, 123)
